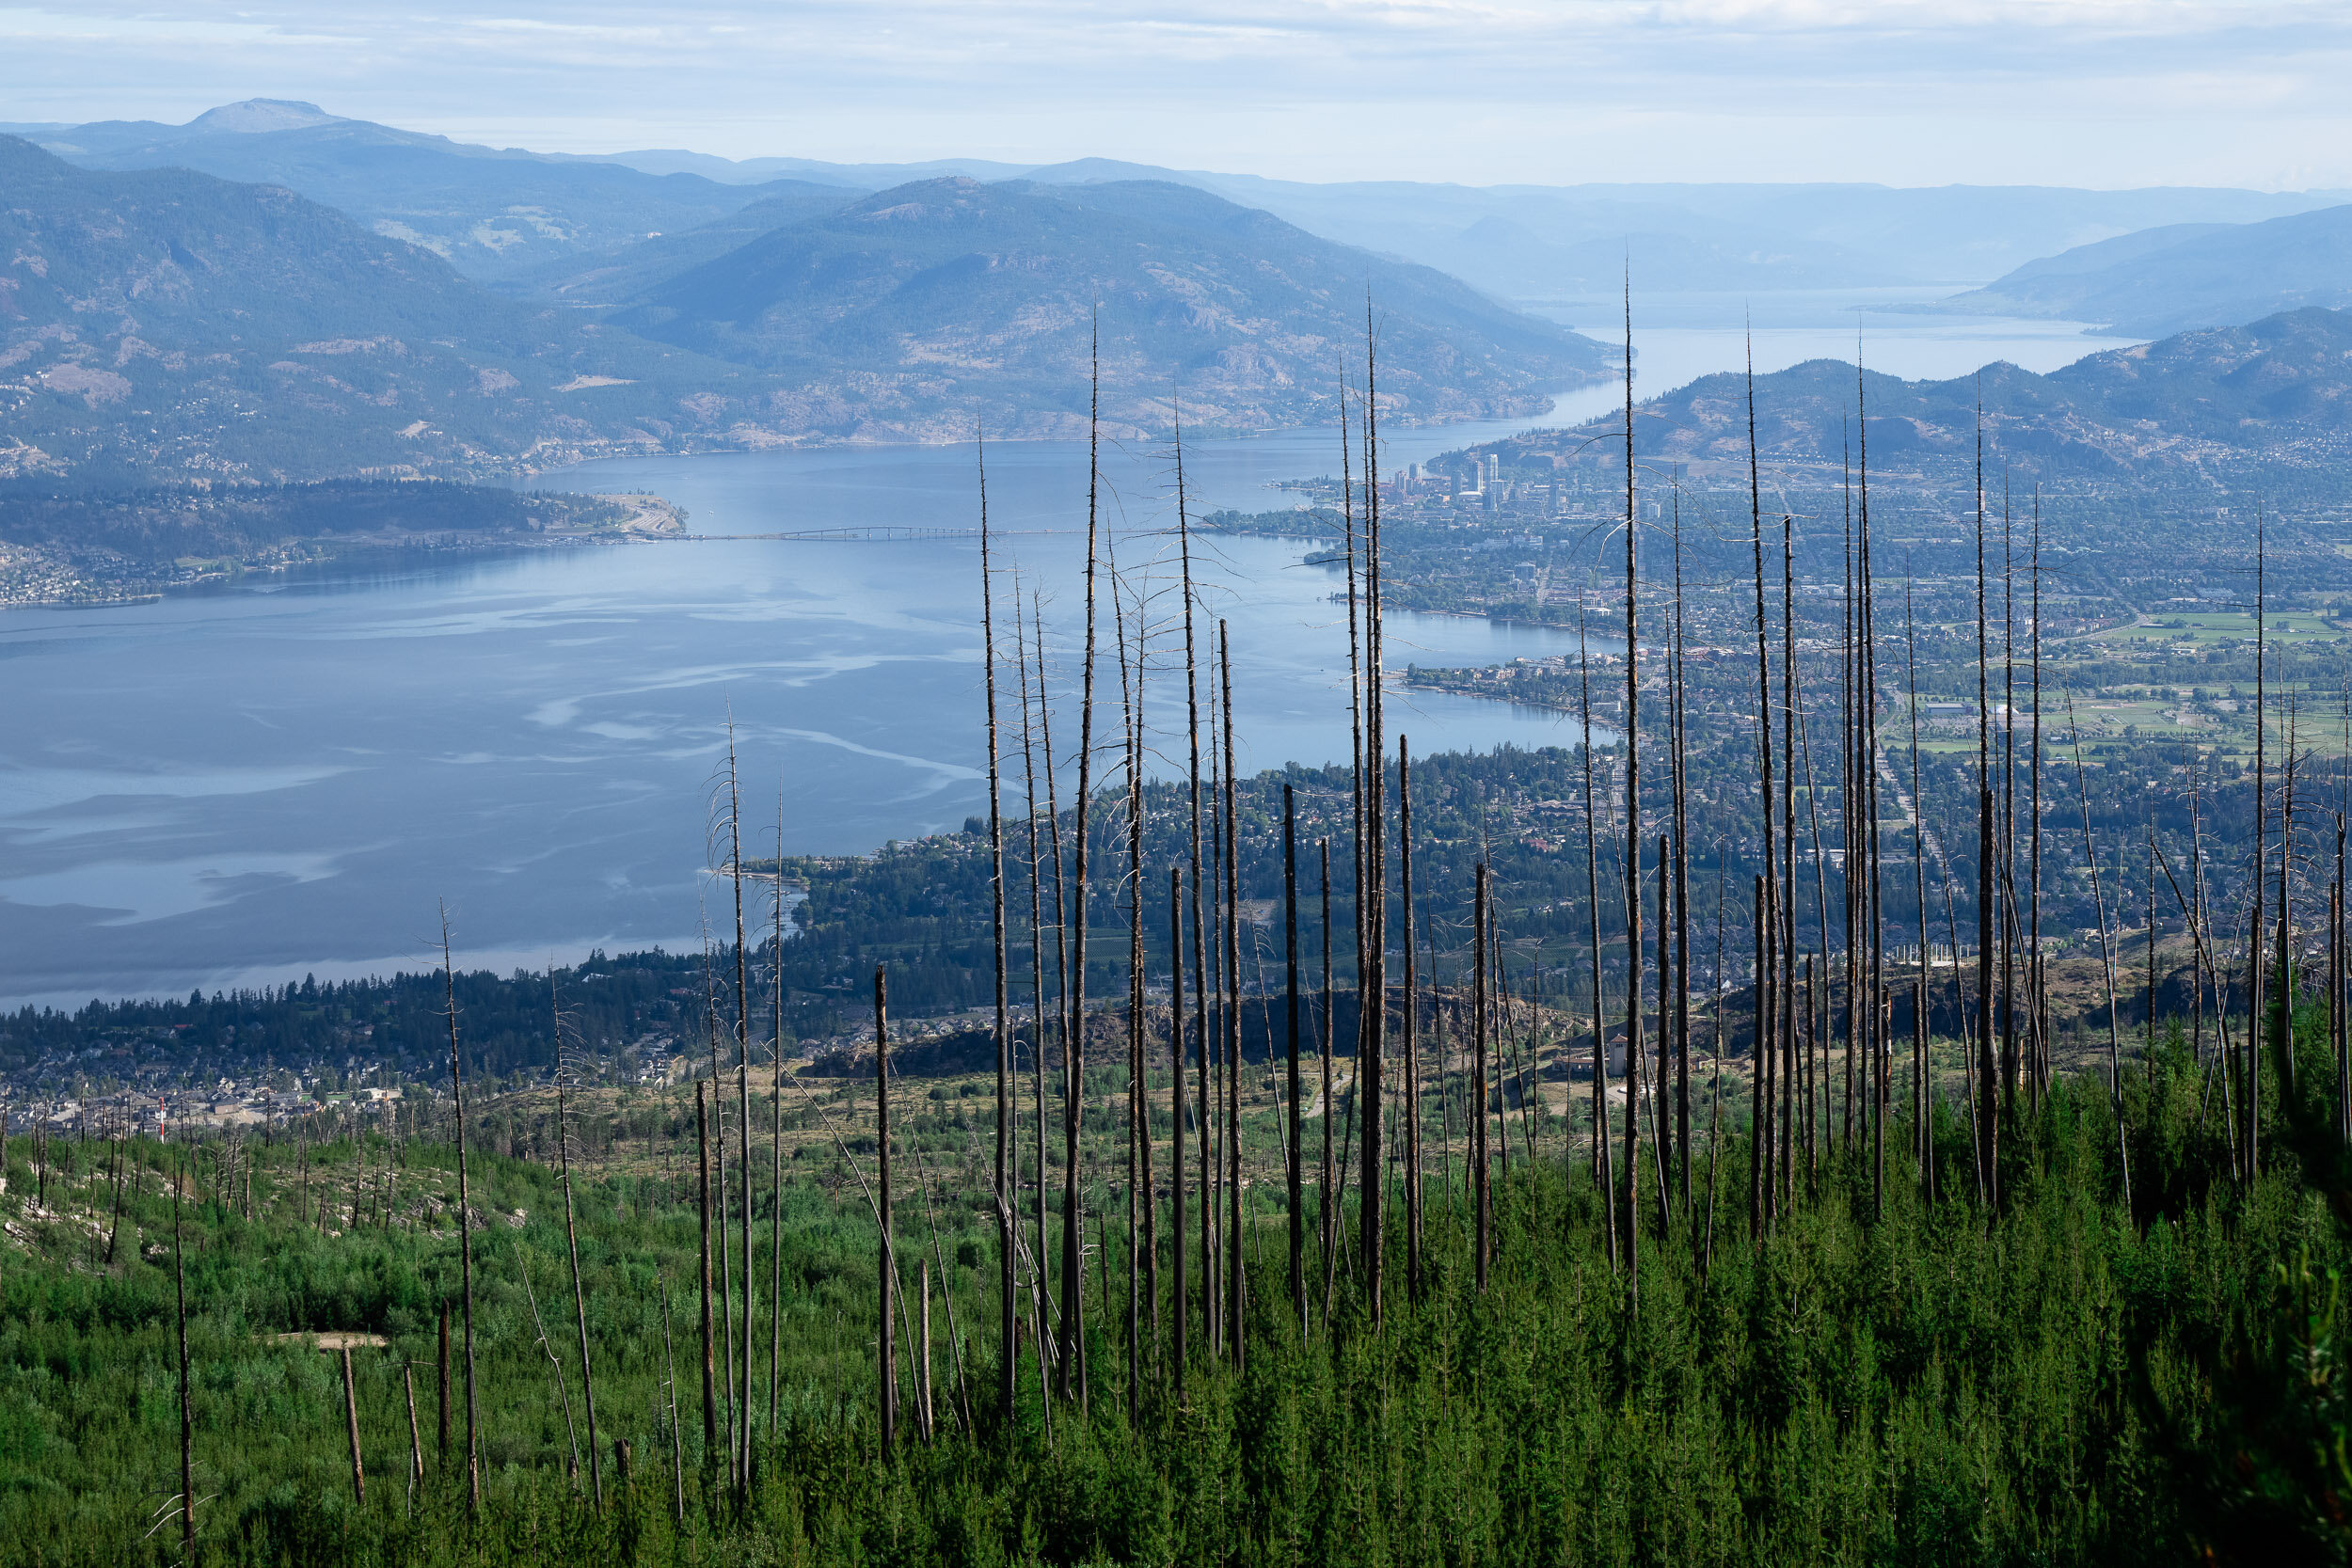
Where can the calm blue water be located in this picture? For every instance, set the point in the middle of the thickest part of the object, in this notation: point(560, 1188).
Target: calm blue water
point(256, 782)
point(252, 782)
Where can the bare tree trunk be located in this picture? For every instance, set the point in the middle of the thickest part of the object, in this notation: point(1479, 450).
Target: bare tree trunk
point(1199, 968)
point(351, 1425)
point(1923, 1131)
point(1679, 743)
point(1176, 1112)
point(1297, 1127)
point(2336, 1022)
point(1602, 1165)
point(1506, 1049)
point(465, 1226)
point(1875, 933)
point(1808, 1054)
point(1715, 1117)
point(1633, 841)
point(2152, 932)
point(1784, 1009)
point(187, 1427)
point(1358, 760)
point(1073, 1368)
point(114, 1225)
point(2037, 982)
point(1760, 1067)
point(724, 1369)
point(441, 1443)
point(1412, 1020)
point(416, 1438)
point(1988, 1085)
point(1813, 1128)
point(775, 1134)
point(2008, 818)
point(2336, 992)
point(1483, 1200)
point(1236, 1282)
point(571, 1241)
point(885, 1342)
point(1849, 812)
point(2285, 1045)
point(710, 1373)
point(742, 1379)
point(1371, 985)
point(2260, 1020)
point(1007, 1241)
point(677, 1443)
point(1042, 1288)
point(1138, 1126)
point(2106, 960)
point(1758, 1139)
point(924, 1414)
point(1661, 1139)
point(555, 1367)
point(1326, 1200)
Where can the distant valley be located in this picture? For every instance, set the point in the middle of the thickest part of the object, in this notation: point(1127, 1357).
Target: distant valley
point(2180, 277)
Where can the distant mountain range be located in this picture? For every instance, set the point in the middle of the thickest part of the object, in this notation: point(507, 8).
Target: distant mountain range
point(491, 213)
point(1558, 241)
point(506, 214)
point(2182, 275)
point(2262, 406)
point(377, 301)
point(942, 302)
point(160, 323)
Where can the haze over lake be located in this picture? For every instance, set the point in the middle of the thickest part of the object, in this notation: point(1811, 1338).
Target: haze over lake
point(258, 781)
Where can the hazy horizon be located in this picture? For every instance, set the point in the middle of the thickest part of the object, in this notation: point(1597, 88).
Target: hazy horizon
point(2098, 95)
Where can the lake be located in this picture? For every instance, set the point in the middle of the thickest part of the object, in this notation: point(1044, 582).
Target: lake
point(242, 785)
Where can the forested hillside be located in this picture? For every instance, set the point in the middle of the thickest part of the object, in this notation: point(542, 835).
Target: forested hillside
point(165, 323)
point(915, 311)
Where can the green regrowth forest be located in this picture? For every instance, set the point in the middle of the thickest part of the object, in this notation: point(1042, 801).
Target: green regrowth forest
point(1900, 1376)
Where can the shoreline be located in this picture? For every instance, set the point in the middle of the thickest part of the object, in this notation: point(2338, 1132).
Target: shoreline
point(68, 584)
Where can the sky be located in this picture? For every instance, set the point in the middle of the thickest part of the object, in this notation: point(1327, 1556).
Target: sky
point(2104, 93)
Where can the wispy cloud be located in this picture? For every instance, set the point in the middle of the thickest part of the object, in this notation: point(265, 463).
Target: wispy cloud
point(2094, 91)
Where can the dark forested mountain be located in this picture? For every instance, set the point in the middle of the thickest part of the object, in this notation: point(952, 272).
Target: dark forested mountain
point(911, 312)
point(491, 213)
point(2269, 404)
point(2184, 275)
point(164, 322)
